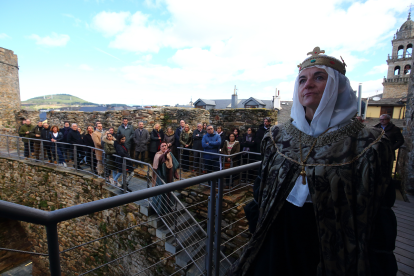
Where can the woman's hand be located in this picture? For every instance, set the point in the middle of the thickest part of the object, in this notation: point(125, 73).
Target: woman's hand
point(228, 159)
point(186, 146)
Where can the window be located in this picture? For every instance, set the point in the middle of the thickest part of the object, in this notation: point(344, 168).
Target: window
point(201, 106)
point(407, 69)
point(397, 70)
point(409, 50)
point(387, 110)
point(400, 51)
point(251, 106)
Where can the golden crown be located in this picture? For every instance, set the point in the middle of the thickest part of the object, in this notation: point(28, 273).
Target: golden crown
point(317, 59)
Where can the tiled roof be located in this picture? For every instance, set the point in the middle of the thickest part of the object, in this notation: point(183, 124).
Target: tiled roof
point(388, 101)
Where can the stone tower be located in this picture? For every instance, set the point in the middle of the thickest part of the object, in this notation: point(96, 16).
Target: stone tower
point(9, 87)
point(399, 63)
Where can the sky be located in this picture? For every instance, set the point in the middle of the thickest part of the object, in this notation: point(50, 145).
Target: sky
point(157, 52)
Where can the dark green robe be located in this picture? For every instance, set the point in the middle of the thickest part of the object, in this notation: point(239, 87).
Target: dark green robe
point(348, 200)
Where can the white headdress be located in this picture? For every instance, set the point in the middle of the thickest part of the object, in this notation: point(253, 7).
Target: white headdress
point(336, 108)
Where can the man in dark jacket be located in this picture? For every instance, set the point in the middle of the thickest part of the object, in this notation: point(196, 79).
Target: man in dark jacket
point(177, 134)
point(127, 130)
point(141, 139)
point(47, 144)
point(36, 134)
point(211, 143)
point(197, 145)
point(262, 131)
point(74, 137)
point(25, 132)
point(392, 131)
point(67, 154)
point(23, 123)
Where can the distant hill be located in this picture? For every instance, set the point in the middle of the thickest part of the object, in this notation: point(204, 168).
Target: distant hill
point(58, 99)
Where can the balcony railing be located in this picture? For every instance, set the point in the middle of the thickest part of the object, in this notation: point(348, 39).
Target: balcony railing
point(407, 55)
point(397, 80)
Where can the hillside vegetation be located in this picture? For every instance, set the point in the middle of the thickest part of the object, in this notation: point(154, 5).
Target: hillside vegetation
point(58, 99)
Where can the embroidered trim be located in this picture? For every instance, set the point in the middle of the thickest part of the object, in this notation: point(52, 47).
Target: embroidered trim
point(326, 165)
point(327, 138)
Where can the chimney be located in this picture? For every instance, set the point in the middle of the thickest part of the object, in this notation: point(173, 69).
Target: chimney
point(234, 98)
point(276, 100)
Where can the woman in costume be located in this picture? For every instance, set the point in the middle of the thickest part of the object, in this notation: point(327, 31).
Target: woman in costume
point(165, 166)
point(323, 198)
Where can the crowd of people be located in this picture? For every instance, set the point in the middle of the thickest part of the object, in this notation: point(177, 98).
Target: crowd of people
point(137, 143)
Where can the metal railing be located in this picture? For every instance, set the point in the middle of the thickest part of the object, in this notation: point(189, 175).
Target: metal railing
point(213, 256)
point(199, 240)
point(217, 162)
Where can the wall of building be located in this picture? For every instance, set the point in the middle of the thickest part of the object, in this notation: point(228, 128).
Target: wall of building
point(373, 111)
point(399, 112)
point(9, 87)
point(50, 188)
point(395, 90)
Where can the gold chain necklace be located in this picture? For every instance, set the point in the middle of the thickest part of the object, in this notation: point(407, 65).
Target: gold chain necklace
point(302, 163)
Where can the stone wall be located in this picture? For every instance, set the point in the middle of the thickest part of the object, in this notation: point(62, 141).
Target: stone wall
point(240, 118)
point(228, 118)
point(50, 188)
point(395, 90)
point(9, 87)
point(165, 117)
point(23, 114)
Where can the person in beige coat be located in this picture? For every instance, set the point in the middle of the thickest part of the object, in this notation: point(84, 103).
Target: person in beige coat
point(97, 138)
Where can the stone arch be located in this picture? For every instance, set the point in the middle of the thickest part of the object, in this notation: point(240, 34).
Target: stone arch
point(400, 50)
point(409, 50)
point(397, 70)
point(407, 69)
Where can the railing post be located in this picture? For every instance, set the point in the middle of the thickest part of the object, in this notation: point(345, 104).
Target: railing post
point(181, 161)
point(124, 175)
point(217, 237)
point(8, 148)
point(42, 150)
point(18, 147)
point(231, 176)
point(148, 177)
point(92, 167)
point(30, 150)
point(75, 157)
point(210, 229)
point(241, 163)
point(53, 249)
point(56, 153)
point(248, 162)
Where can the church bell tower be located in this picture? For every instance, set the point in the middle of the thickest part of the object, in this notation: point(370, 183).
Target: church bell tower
point(399, 63)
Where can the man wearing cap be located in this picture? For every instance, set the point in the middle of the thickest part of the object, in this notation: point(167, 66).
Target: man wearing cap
point(323, 196)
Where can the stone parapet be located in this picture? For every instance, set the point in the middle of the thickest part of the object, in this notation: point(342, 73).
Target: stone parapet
point(240, 118)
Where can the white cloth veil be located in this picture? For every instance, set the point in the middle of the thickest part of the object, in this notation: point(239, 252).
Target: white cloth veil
point(338, 105)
